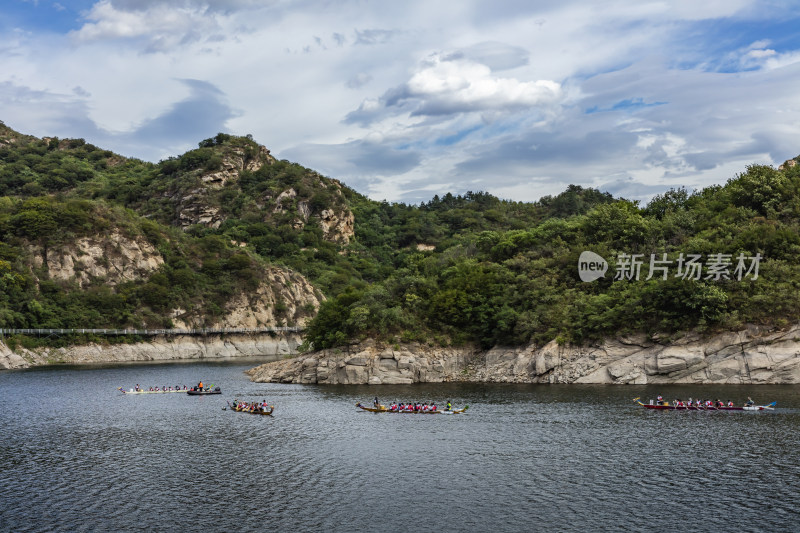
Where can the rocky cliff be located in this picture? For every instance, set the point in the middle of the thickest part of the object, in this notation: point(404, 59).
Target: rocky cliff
point(111, 259)
point(270, 347)
point(312, 199)
point(750, 356)
point(283, 297)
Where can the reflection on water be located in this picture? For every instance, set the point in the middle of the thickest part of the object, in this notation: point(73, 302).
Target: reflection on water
point(77, 455)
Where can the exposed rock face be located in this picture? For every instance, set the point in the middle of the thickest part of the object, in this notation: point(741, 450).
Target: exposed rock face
point(283, 298)
point(195, 206)
point(233, 163)
point(368, 363)
point(113, 258)
point(337, 226)
point(337, 222)
point(158, 349)
point(750, 356)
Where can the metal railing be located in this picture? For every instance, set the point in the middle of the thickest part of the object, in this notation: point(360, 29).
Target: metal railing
point(198, 331)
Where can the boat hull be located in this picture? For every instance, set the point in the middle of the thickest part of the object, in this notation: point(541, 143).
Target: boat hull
point(668, 407)
point(409, 412)
point(203, 392)
point(131, 391)
point(247, 411)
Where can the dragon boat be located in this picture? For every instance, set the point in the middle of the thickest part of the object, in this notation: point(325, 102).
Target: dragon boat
point(384, 409)
point(665, 406)
point(140, 391)
point(253, 411)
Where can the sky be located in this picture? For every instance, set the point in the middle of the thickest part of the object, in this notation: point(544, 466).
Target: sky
point(405, 100)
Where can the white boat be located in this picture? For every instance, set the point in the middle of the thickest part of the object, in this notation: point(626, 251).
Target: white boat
point(140, 391)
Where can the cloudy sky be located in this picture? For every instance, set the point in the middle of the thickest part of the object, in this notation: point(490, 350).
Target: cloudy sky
point(404, 100)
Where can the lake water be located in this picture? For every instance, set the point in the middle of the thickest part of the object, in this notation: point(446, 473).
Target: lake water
point(77, 455)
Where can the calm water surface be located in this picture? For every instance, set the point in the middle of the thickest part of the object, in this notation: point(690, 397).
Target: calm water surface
point(77, 455)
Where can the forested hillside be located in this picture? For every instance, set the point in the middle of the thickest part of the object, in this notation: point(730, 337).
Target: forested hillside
point(210, 224)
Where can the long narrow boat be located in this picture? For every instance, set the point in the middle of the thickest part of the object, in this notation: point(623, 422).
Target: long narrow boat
point(668, 407)
point(194, 391)
point(248, 411)
point(383, 409)
point(132, 391)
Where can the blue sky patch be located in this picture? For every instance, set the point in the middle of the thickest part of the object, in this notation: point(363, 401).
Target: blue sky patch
point(44, 15)
point(631, 104)
point(450, 140)
point(718, 45)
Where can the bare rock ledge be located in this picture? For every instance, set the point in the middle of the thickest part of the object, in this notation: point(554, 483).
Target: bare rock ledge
point(751, 356)
point(158, 349)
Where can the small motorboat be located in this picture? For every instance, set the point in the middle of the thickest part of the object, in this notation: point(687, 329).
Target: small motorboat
point(194, 391)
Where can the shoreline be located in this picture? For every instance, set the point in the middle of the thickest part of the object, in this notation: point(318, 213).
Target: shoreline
point(753, 355)
point(158, 349)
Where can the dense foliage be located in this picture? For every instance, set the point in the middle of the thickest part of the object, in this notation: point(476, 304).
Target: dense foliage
point(465, 268)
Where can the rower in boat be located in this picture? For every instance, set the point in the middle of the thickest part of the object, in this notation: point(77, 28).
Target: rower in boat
point(749, 402)
point(450, 406)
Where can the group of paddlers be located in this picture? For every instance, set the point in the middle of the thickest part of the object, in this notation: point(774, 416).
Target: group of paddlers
point(702, 404)
point(412, 407)
point(156, 389)
point(253, 407)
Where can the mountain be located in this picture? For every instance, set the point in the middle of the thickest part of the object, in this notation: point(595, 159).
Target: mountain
point(226, 234)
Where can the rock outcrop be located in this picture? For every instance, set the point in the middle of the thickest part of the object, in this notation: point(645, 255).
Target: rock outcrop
point(112, 258)
point(282, 298)
point(369, 363)
point(336, 221)
point(194, 207)
point(201, 203)
point(750, 356)
point(270, 347)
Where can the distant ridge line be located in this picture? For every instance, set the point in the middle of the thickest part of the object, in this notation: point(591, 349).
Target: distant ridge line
point(200, 331)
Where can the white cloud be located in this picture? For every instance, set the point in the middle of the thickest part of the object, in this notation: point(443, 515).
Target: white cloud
point(161, 26)
point(448, 86)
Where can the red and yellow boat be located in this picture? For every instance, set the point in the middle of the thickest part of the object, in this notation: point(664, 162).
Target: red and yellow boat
point(384, 409)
